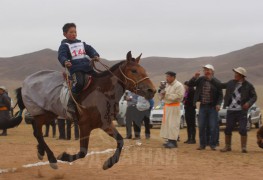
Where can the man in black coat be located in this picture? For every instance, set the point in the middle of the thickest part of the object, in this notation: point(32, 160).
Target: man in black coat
point(190, 113)
point(5, 106)
point(209, 94)
point(240, 96)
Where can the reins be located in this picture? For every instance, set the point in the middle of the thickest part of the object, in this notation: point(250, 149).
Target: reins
point(126, 78)
point(79, 106)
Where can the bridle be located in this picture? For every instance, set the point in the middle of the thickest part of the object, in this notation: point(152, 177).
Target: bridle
point(135, 83)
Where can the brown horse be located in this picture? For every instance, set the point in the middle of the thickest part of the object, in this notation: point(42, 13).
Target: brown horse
point(100, 102)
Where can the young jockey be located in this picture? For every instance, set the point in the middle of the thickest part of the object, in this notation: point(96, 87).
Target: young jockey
point(72, 54)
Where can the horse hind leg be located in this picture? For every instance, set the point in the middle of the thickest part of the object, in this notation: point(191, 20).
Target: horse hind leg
point(84, 142)
point(42, 147)
point(113, 132)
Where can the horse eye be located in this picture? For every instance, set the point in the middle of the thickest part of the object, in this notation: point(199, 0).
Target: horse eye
point(134, 71)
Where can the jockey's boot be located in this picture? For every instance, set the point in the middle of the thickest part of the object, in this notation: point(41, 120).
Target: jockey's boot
point(228, 144)
point(244, 144)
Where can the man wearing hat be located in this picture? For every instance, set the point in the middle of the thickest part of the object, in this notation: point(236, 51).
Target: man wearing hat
point(209, 94)
point(172, 96)
point(240, 95)
point(5, 106)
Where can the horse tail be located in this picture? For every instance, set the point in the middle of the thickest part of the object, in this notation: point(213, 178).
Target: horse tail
point(15, 121)
point(20, 102)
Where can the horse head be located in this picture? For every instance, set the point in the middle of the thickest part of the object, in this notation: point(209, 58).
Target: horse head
point(136, 79)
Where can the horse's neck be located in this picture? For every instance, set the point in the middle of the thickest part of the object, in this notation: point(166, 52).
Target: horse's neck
point(107, 88)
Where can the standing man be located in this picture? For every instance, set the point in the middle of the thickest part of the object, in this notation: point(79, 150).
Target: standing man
point(53, 125)
point(61, 127)
point(190, 113)
point(76, 129)
point(172, 96)
point(5, 106)
point(240, 95)
point(146, 120)
point(209, 93)
point(144, 107)
point(131, 112)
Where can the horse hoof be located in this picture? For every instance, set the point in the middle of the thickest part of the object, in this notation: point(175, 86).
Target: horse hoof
point(53, 165)
point(40, 157)
point(105, 166)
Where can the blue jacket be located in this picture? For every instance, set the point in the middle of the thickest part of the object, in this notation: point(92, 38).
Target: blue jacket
point(78, 64)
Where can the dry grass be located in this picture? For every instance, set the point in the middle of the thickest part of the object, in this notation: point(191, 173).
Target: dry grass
point(148, 161)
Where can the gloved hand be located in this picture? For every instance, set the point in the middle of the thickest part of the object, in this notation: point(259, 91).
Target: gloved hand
point(68, 64)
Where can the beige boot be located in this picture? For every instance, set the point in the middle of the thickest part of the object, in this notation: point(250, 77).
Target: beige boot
point(228, 144)
point(244, 144)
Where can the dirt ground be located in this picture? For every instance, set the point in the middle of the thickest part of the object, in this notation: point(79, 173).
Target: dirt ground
point(146, 161)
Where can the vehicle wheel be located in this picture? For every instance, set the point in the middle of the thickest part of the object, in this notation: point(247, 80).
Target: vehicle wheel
point(182, 122)
point(259, 124)
point(151, 126)
point(249, 124)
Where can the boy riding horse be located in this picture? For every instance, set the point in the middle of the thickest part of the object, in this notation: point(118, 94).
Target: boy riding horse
point(72, 54)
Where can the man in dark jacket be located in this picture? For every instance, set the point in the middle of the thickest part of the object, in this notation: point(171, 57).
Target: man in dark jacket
point(5, 106)
point(209, 94)
point(190, 113)
point(240, 96)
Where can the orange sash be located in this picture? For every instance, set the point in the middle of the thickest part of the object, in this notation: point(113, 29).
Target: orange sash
point(168, 105)
point(3, 108)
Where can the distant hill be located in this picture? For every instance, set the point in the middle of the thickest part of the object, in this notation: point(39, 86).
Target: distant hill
point(14, 69)
point(250, 58)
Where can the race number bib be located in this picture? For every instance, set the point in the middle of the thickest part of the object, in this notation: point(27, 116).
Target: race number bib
point(77, 50)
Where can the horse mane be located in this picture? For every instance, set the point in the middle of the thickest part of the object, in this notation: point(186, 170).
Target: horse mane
point(107, 72)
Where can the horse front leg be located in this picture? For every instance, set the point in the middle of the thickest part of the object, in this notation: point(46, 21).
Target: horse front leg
point(84, 142)
point(113, 132)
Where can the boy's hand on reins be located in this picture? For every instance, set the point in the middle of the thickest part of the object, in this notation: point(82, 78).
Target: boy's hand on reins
point(68, 64)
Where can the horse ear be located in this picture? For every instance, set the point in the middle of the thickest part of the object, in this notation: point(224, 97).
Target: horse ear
point(129, 56)
point(138, 58)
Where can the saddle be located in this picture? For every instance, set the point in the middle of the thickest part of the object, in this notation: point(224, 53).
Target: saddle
point(87, 83)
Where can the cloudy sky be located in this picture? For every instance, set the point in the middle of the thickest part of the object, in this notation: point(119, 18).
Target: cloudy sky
point(170, 28)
